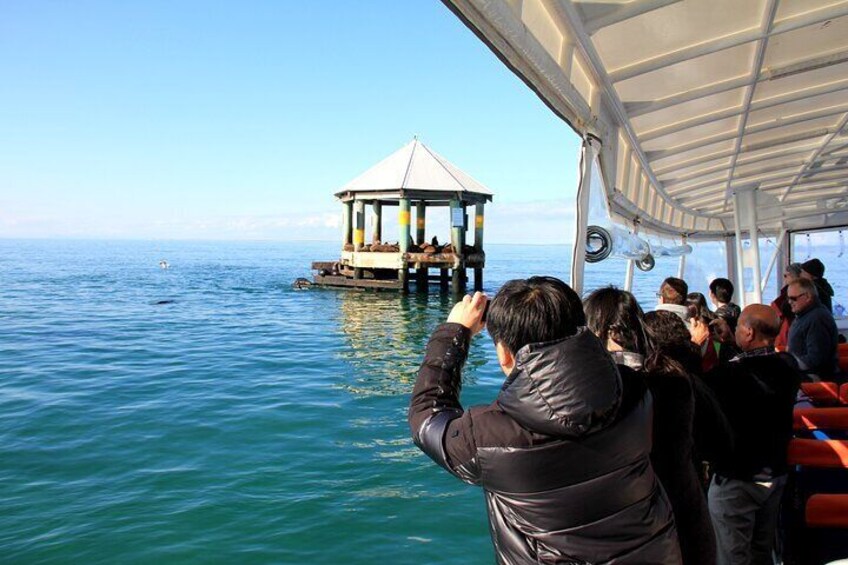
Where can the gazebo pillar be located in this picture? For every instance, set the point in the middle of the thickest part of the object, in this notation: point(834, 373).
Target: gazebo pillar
point(347, 223)
point(457, 240)
point(478, 243)
point(358, 233)
point(420, 222)
point(377, 222)
point(403, 239)
point(420, 235)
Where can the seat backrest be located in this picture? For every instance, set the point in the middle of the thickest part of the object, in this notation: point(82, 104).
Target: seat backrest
point(828, 454)
point(808, 419)
point(822, 393)
point(827, 511)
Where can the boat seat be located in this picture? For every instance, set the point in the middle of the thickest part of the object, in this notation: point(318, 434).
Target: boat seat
point(827, 511)
point(822, 393)
point(831, 453)
point(843, 393)
point(806, 419)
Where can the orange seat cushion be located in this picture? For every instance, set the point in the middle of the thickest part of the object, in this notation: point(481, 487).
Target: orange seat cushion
point(821, 419)
point(821, 393)
point(827, 511)
point(831, 453)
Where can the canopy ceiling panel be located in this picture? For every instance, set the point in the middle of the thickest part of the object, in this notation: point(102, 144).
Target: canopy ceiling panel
point(693, 100)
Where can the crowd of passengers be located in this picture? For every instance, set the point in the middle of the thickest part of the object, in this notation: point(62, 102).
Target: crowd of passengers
point(625, 437)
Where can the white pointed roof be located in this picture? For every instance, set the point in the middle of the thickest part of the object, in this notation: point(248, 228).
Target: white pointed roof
point(415, 168)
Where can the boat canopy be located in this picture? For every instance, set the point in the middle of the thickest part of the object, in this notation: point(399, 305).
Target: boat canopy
point(708, 117)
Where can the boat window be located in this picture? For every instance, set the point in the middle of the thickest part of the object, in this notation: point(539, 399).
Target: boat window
point(826, 246)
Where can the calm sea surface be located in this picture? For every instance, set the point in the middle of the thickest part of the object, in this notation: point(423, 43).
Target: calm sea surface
point(210, 413)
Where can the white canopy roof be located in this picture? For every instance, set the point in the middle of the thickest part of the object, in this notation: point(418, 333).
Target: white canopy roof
point(693, 100)
point(416, 170)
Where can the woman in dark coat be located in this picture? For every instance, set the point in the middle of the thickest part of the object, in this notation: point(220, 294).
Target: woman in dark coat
point(617, 319)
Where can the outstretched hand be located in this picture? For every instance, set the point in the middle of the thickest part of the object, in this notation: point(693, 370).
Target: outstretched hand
point(469, 312)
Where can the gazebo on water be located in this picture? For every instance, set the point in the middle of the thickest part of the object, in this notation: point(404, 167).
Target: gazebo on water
point(413, 177)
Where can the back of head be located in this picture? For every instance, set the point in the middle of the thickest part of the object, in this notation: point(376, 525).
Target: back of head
point(697, 304)
point(615, 314)
point(534, 310)
point(722, 289)
point(674, 350)
point(763, 321)
point(813, 267)
point(793, 270)
point(674, 291)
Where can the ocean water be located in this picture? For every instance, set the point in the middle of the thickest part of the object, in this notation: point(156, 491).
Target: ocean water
point(209, 413)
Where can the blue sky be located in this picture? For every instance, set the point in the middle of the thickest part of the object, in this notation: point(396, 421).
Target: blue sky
point(203, 120)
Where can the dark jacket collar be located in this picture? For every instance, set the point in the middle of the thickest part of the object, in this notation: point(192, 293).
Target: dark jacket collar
point(570, 387)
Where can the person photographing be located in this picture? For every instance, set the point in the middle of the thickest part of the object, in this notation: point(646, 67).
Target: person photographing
point(563, 452)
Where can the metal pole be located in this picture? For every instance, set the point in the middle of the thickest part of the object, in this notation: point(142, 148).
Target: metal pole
point(578, 256)
point(681, 267)
point(778, 250)
point(740, 266)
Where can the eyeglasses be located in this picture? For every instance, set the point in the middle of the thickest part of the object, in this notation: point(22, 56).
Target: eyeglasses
point(795, 298)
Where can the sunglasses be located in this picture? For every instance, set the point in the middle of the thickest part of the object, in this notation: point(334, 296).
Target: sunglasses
point(795, 298)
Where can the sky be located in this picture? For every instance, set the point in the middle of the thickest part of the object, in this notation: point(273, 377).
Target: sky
point(216, 120)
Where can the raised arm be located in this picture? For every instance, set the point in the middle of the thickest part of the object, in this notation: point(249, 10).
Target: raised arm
point(439, 425)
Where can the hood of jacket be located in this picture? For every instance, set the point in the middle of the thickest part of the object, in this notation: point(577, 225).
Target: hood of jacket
point(569, 387)
point(823, 286)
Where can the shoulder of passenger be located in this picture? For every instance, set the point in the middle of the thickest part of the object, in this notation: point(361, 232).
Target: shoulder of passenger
point(495, 428)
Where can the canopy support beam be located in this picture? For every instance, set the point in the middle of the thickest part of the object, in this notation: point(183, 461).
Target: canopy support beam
point(584, 188)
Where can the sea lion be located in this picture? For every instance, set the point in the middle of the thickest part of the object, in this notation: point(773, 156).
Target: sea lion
point(301, 283)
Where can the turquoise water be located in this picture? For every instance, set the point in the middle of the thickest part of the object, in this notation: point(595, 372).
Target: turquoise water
point(241, 422)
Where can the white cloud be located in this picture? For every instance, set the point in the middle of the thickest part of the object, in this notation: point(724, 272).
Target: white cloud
point(533, 222)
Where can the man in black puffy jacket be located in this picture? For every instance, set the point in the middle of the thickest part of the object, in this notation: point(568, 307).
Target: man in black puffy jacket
point(563, 452)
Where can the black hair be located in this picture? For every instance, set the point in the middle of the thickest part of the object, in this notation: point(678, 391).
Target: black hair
point(697, 304)
point(674, 290)
point(722, 289)
point(615, 314)
point(674, 350)
point(534, 310)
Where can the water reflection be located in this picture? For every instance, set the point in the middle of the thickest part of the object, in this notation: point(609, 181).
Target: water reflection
point(386, 334)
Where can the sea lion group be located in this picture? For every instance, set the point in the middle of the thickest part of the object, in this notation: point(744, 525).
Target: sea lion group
point(431, 248)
